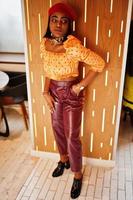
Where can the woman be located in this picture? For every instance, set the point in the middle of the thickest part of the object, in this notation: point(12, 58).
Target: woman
point(63, 92)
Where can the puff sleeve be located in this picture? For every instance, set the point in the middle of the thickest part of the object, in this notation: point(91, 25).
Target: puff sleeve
point(42, 47)
point(83, 54)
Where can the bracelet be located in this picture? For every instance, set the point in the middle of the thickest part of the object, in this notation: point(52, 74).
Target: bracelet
point(80, 87)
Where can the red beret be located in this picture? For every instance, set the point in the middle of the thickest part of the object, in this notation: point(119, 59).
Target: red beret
point(64, 8)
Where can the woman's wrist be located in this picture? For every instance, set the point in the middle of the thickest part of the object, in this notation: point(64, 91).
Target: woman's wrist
point(80, 86)
point(77, 88)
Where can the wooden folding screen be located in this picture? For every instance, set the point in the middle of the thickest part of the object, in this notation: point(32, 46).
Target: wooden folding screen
point(101, 27)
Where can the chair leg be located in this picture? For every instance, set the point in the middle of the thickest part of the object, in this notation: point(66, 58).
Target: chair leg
point(125, 116)
point(25, 114)
point(131, 117)
point(6, 134)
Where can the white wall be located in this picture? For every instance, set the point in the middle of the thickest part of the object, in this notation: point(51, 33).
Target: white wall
point(11, 28)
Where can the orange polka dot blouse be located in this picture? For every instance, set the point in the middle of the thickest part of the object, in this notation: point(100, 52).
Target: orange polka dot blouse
point(58, 66)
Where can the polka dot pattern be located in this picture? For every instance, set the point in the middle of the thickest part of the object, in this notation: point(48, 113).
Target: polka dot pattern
point(58, 66)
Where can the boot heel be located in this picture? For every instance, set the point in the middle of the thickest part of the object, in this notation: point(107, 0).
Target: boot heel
point(67, 164)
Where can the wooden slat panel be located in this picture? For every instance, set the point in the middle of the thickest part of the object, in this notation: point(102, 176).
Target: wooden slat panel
point(98, 26)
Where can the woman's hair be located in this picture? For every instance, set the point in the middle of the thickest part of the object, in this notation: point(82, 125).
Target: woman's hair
point(69, 32)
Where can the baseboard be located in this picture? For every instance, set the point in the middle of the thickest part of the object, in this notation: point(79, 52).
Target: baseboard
point(43, 154)
point(99, 162)
point(90, 161)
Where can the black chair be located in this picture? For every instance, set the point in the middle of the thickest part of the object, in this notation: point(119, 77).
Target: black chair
point(16, 93)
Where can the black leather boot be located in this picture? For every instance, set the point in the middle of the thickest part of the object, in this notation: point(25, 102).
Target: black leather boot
point(60, 168)
point(76, 188)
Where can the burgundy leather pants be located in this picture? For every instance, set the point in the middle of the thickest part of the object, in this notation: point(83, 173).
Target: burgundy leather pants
point(66, 121)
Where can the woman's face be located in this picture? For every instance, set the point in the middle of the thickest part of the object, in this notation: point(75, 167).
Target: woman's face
point(59, 24)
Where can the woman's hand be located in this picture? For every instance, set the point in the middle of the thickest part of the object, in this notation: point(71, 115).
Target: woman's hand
point(77, 88)
point(49, 101)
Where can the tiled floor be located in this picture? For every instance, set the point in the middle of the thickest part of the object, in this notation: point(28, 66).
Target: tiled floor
point(23, 177)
